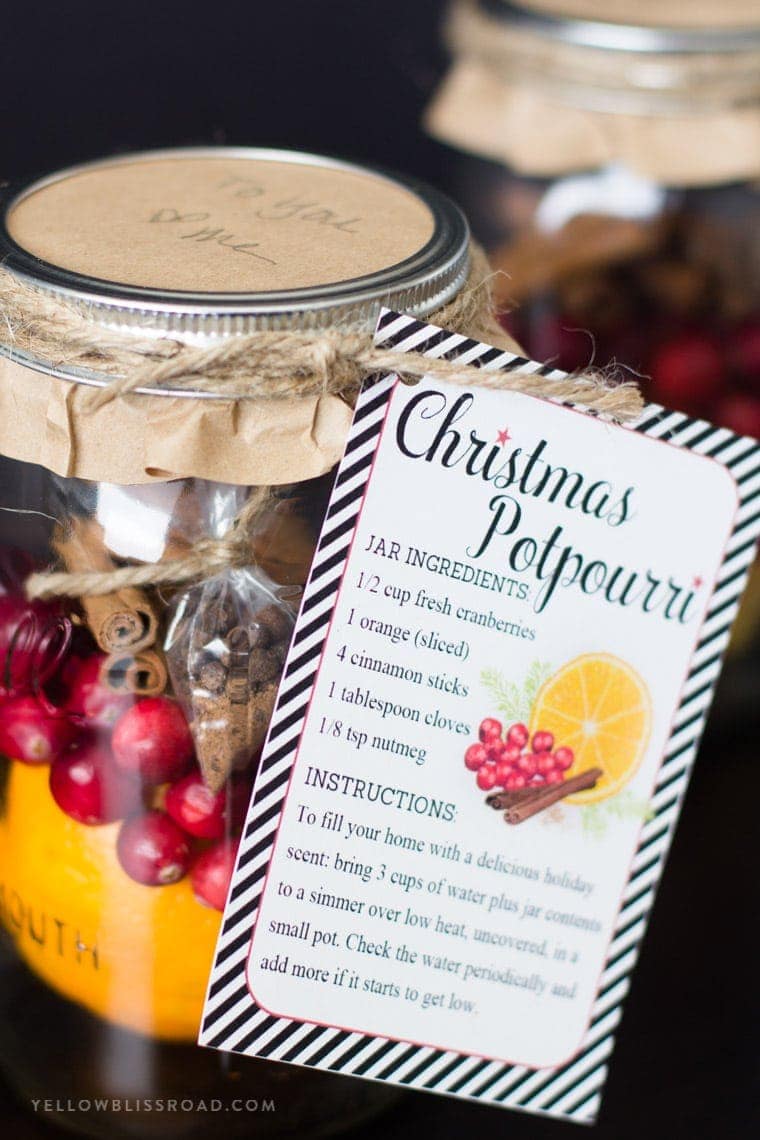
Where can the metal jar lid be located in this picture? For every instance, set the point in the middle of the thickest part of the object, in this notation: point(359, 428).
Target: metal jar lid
point(611, 35)
point(208, 242)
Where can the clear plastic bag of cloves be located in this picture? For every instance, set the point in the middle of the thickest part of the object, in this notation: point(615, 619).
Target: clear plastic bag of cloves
point(226, 643)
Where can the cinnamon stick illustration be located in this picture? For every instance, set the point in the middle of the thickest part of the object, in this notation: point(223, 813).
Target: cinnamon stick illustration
point(551, 794)
point(123, 621)
point(143, 674)
point(506, 799)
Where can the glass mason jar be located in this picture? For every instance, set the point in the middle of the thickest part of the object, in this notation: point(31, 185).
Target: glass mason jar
point(132, 716)
point(608, 155)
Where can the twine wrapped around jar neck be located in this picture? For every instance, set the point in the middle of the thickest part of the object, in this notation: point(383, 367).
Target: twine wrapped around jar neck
point(263, 366)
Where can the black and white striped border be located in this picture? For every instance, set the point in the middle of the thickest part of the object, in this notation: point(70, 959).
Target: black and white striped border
point(232, 1020)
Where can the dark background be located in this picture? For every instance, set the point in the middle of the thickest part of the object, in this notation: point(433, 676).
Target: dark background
point(351, 77)
point(83, 79)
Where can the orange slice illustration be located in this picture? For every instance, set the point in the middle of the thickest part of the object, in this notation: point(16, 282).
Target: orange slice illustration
point(598, 706)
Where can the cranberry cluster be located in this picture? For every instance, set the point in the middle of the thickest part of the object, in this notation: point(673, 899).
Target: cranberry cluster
point(114, 757)
point(507, 762)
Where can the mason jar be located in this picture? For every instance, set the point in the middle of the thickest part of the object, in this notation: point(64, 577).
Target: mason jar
point(133, 708)
point(608, 155)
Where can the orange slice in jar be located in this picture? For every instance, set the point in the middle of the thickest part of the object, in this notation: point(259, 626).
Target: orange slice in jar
point(134, 955)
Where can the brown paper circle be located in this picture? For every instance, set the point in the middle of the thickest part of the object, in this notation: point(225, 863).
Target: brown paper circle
point(208, 224)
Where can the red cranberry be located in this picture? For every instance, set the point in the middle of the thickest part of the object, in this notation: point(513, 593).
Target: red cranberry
point(744, 349)
point(510, 753)
point(204, 813)
point(518, 736)
point(515, 781)
point(34, 640)
point(212, 873)
point(560, 341)
point(153, 739)
point(88, 695)
point(528, 763)
point(688, 370)
point(475, 756)
point(554, 777)
point(152, 849)
point(490, 730)
point(486, 777)
point(238, 798)
point(32, 731)
point(90, 789)
point(542, 741)
point(495, 750)
point(739, 412)
point(563, 759)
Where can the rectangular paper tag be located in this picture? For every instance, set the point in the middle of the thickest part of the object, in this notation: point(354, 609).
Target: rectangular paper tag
point(492, 567)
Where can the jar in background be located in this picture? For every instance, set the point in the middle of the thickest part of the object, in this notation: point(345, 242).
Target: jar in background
point(608, 155)
point(131, 720)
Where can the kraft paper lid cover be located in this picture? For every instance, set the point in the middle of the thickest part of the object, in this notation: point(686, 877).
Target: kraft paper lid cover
point(548, 87)
point(199, 245)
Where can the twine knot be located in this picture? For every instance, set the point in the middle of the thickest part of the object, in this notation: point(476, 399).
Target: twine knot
point(265, 365)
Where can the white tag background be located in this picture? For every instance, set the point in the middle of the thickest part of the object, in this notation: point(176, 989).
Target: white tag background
point(548, 1049)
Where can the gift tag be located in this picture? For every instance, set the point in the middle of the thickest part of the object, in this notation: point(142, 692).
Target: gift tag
point(500, 673)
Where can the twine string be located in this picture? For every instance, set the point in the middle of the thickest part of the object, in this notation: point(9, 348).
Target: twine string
point(268, 365)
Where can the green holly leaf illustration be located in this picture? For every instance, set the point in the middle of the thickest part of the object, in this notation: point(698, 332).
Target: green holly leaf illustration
point(515, 702)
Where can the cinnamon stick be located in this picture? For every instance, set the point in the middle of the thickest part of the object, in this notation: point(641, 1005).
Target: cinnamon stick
point(143, 674)
point(125, 620)
point(551, 794)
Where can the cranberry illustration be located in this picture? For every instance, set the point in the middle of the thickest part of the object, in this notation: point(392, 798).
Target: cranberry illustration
point(503, 770)
point(542, 741)
point(563, 759)
point(153, 849)
point(86, 786)
point(490, 730)
point(153, 739)
point(32, 731)
point(545, 763)
point(515, 781)
point(740, 412)
point(518, 736)
point(688, 370)
point(554, 777)
point(212, 873)
point(486, 777)
point(528, 764)
point(475, 756)
point(88, 696)
point(510, 753)
point(495, 750)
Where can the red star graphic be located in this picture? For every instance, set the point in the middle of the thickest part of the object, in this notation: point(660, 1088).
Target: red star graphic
point(502, 437)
